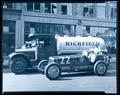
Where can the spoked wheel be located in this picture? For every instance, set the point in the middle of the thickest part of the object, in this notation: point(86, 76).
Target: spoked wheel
point(52, 71)
point(100, 68)
point(41, 66)
point(18, 65)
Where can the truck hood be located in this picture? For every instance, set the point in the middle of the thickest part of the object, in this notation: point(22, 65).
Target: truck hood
point(25, 49)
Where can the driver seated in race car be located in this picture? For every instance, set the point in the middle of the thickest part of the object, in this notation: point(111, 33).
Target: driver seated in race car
point(93, 53)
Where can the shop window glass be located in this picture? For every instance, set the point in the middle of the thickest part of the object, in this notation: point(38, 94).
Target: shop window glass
point(7, 5)
point(8, 41)
point(9, 26)
point(27, 27)
point(88, 29)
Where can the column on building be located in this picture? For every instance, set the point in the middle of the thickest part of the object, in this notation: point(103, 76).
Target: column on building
point(24, 6)
point(42, 5)
point(95, 10)
point(74, 7)
point(107, 10)
point(19, 41)
point(79, 28)
point(17, 38)
point(79, 9)
point(58, 8)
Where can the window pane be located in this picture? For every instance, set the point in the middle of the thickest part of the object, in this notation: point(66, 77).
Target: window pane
point(9, 5)
point(37, 7)
point(85, 11)
point(88, 11)
point(54, 8)
point(29, 6)
point(64, 9)
point(113, 13)
point(47, 7)
point(27, 27)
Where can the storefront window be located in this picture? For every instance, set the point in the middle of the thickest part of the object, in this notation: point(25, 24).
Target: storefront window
point(7, 5)
point(8, 39)
point(44, 28)
point(108, 34)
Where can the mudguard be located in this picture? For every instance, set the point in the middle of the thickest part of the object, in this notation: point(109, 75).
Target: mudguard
point(15, 54)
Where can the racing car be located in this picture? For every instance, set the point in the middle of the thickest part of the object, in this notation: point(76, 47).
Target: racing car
point(74, 63)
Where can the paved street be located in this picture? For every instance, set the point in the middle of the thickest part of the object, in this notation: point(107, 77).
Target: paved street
point(67, 82)
point(34, 81)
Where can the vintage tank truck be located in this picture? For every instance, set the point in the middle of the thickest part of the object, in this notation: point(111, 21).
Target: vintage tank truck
point(53, 55)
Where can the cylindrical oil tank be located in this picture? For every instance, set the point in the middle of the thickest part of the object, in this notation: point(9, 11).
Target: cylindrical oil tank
point(67, 45)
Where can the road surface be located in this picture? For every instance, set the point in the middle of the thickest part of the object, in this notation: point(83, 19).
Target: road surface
point(34, 81)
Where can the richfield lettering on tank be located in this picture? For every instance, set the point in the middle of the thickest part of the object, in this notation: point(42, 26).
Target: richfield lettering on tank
point(81, 43)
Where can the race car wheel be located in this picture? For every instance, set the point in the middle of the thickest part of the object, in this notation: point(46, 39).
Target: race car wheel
point(18, 65)
point(100, 68)
point(41, 66)
point(52, 71)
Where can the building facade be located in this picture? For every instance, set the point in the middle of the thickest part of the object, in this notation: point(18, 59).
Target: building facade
point(20, 19)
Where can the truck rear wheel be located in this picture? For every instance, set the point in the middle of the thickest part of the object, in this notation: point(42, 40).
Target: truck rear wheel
point(18, 65)
point(100, 68)
point(52, 71)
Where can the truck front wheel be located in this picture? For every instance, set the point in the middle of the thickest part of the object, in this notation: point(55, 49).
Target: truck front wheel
point(18, 65)
point(52, 71)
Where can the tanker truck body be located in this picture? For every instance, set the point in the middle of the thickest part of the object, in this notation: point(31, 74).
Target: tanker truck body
point(69, 45)
point(45, 46)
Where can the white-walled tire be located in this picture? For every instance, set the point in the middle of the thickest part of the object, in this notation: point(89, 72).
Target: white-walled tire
point(18, 65)
point(100, 68)
point(52, 71)
point(41, 66)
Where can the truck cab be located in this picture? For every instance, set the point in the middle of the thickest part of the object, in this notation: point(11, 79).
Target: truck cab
point(32, 52)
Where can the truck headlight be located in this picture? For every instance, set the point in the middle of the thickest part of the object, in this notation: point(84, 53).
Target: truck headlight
point(51, 59)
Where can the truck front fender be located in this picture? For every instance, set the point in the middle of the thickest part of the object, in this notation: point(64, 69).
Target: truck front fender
point(15, 55)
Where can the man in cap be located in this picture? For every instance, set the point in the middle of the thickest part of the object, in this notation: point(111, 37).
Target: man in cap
point(93, 52)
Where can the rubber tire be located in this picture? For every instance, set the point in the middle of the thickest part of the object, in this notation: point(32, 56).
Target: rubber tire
point(96, 71)
point(40, 64)
point(47, 74)
point(12, 64)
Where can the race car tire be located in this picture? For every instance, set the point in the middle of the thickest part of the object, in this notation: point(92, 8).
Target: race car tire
point(52, 71)
point(100, 68)
point(41, 66)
